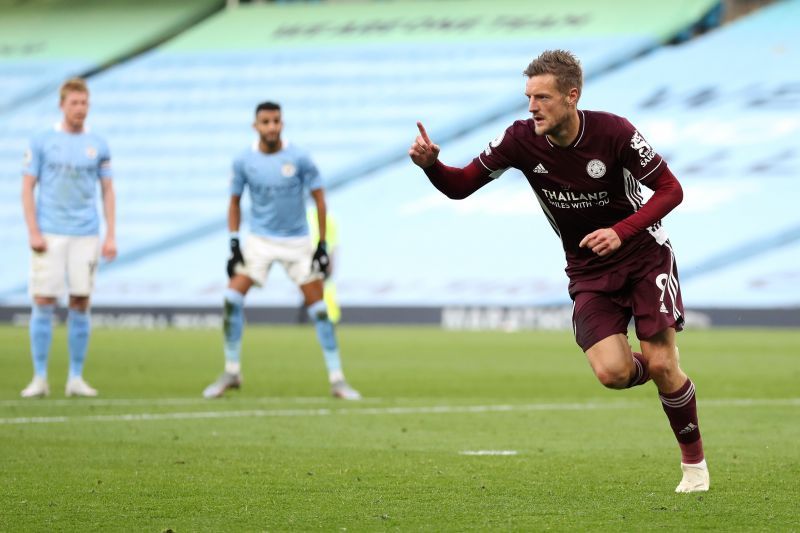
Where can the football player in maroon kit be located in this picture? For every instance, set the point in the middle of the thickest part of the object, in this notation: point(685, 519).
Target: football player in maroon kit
point(586, 169)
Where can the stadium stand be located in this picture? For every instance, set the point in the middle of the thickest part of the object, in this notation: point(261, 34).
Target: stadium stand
point(352, 82)
point(42, 42)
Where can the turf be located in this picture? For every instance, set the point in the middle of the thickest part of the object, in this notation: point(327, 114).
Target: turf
point(280, 455)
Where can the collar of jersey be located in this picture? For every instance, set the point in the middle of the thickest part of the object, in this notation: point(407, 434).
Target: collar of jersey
point(59, 127)
point(577, 139)
point(254, 147)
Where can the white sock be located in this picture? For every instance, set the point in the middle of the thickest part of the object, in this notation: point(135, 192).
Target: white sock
point(233, 367)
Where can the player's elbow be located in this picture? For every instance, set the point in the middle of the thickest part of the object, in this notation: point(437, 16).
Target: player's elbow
point(456, 195)
point(678, 194)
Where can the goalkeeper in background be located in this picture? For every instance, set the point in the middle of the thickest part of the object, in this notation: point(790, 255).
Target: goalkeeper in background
point(277, 176)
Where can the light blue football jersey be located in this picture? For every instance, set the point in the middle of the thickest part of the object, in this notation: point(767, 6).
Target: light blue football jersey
point(68, 168)
point(278, 185)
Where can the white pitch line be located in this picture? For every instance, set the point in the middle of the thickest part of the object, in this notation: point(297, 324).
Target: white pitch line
point(111, 402)
point(438, 409)
point(488, 452)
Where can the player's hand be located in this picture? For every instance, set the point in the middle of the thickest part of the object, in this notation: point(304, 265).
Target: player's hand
point(236, 257)
point(423, 152)
point(321, 262)
point(602, 241)
point(109, 249)
point(37, 243)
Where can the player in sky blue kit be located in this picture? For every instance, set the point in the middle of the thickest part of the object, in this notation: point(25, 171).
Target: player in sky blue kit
point(277, 176)
point(66, 162)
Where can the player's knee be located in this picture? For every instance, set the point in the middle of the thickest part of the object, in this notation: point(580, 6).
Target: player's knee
point(662, 367)
point(79, 303)
point(318, 310)
point(613, 378)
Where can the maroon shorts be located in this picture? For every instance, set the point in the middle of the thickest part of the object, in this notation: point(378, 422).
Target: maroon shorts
point(644, 288)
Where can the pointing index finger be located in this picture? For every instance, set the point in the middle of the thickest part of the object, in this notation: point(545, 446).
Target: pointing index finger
point(423, 133)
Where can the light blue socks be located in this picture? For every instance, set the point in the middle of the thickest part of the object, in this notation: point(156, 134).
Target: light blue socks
point(79, 326)
point(233, 324)
point(318, 312)
point(41, 333)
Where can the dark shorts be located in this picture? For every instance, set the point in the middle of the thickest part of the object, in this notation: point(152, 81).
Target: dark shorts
point(645, 288)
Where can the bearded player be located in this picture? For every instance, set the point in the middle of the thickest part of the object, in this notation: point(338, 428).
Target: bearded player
point(586, 169)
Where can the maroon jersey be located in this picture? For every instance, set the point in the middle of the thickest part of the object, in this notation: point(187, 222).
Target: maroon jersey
point(593, 183)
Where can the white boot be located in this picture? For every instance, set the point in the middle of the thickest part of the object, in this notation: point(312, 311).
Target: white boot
point(695, 478)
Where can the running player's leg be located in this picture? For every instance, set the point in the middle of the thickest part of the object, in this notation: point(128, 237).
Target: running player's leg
point(658, 310)
point(601, 325)
point(677, 394)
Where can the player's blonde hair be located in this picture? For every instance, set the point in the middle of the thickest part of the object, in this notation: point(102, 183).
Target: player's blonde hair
point(563, 65)
point(73, 85)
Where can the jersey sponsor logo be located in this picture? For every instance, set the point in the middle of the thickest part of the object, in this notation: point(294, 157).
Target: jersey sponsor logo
point(91, 152)
point(288, 170)
point(575, 200)
point(494, 144)
point(646, 152)
point(74, 171)
point(539, 169)
point(596, 168)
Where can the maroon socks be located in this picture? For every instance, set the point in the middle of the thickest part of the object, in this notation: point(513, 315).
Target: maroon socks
point(681, 409)
point(640, 375)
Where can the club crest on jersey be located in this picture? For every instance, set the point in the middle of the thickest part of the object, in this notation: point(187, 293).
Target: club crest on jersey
point(596, 168)
point(494, 144)
point(288, 170)
point(646, 152)
point(91, 152)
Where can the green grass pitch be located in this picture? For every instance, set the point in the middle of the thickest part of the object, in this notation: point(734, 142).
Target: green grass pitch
point(280, 455)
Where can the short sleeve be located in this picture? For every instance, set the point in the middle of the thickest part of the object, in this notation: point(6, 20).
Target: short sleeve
point(104, 169)
point(238, 178)
point(636, 154)
point(310, 173)
point(498, 156)
point(32, 160)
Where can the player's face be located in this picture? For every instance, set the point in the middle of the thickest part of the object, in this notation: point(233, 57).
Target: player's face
point(268, 124)
point(551, 109)
point(75, 107)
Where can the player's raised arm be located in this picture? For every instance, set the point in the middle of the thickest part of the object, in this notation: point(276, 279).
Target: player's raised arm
point(456, 183)
point(423, 151)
